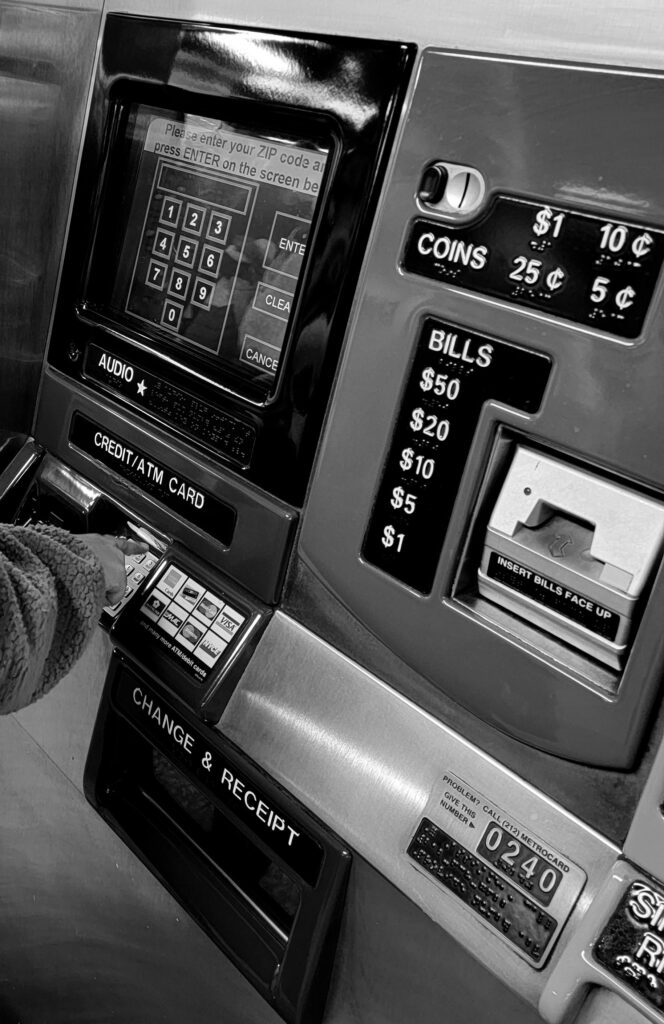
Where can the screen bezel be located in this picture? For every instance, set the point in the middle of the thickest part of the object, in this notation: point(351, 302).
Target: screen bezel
point(122, 152)
point(350, 90)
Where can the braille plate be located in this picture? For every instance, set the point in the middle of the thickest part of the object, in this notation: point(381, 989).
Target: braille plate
point(519, 884)
point(228, 435)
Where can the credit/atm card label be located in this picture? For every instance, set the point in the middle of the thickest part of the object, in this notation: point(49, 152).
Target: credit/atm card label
point(174, 490)
point(500, 904)
point(519, 883)
point(631, 946)
point(554, 595)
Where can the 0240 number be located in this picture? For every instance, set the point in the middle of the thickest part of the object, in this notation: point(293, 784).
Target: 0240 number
point(527, 869)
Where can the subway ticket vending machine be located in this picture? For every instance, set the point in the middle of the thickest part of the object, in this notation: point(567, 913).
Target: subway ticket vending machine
point(224, 197)
point(356, 322)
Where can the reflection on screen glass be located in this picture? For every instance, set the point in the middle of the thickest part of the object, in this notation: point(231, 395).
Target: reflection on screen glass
point(217, 230)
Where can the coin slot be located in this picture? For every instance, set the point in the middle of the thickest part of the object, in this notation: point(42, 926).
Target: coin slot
point(450, 189)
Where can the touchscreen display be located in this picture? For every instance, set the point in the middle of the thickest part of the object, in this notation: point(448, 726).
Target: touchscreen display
point(216, 229)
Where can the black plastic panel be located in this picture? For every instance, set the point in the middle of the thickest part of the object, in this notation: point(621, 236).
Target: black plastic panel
point(192, 631)
point(597, 272)
point(313, 98)
point(174, 490)
point(264, 526)
point(454, 373)
point(263, 878)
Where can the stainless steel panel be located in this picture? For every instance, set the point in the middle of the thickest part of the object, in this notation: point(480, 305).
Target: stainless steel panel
point(616, 32)
point(367, 761)
point(46, 57)
point(19, 466)
point(87, 934)
point(388, 968)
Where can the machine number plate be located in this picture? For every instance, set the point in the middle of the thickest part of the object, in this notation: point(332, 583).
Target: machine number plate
point(517, 883)
point(597, 272)
point(500, 904)
point(632, 943)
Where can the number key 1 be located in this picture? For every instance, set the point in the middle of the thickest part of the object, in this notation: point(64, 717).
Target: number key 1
point(170, 211)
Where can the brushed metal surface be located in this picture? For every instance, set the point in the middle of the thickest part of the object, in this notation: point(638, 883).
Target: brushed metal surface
point(388, 968)
point(46, 57)
point(73, 487)
point(367, 761)
point(19, 466)
point(615, 32)
point(88, 935)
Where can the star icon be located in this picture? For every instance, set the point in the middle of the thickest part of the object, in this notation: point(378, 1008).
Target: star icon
point(141, 388)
